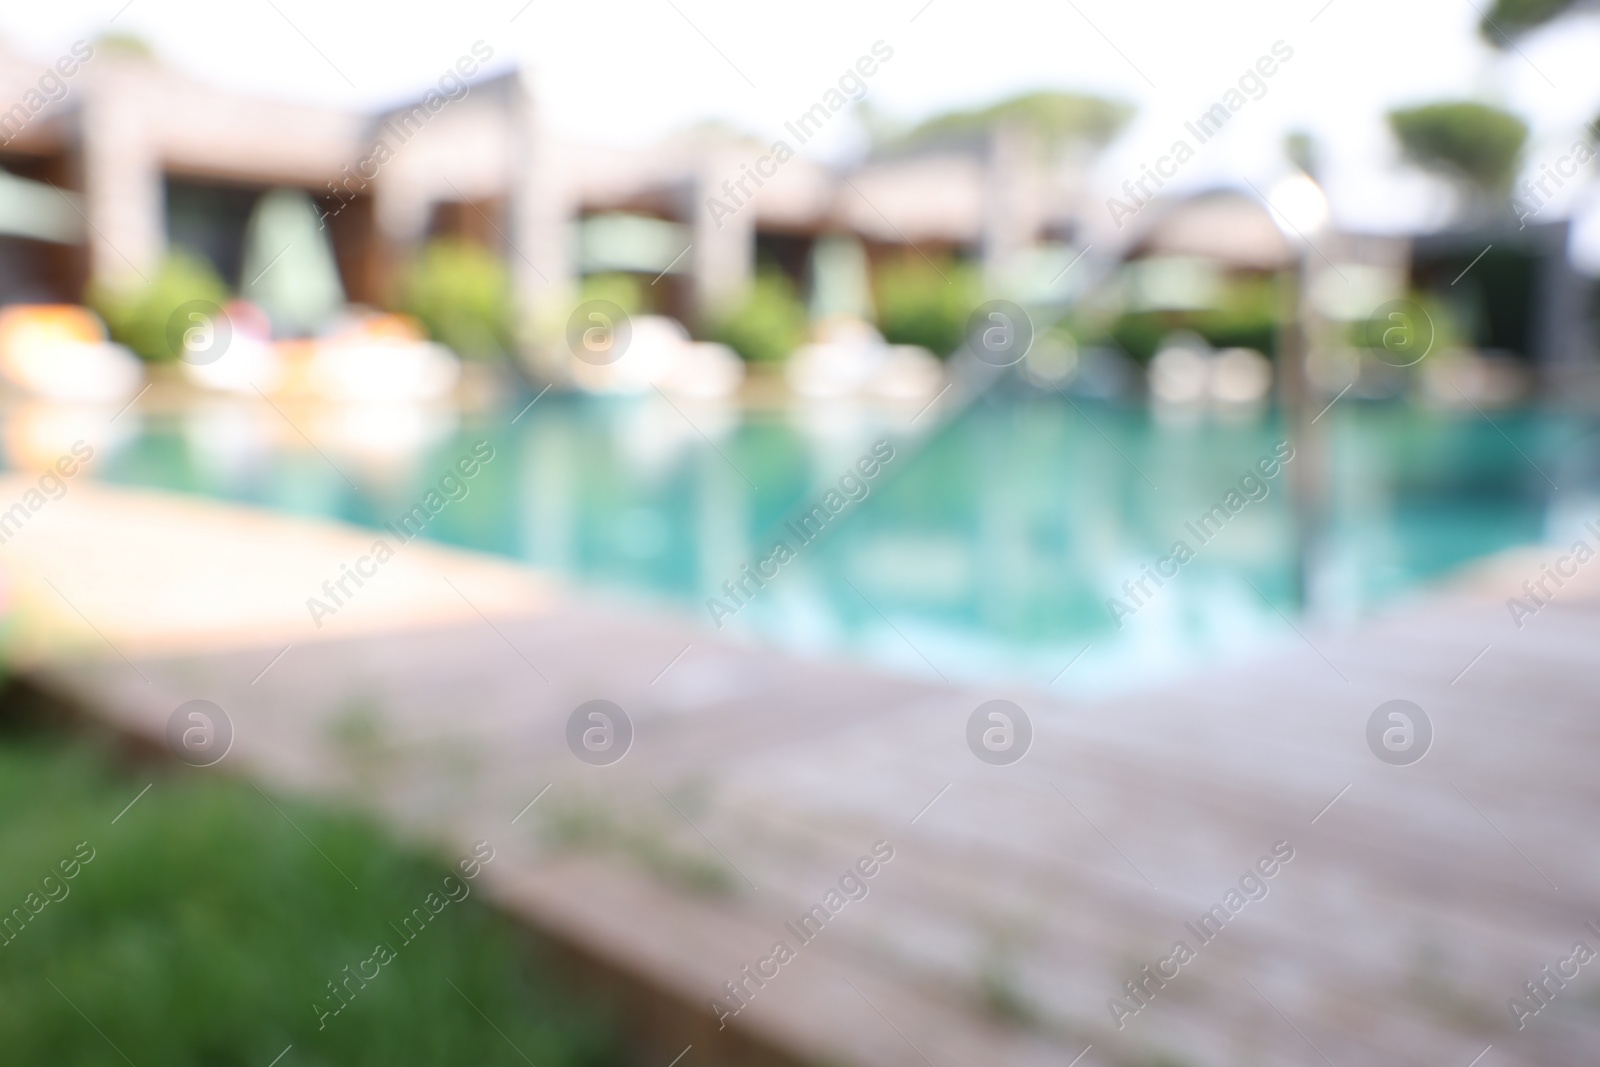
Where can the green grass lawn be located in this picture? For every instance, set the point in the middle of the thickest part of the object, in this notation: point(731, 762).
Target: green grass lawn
point(205, 929)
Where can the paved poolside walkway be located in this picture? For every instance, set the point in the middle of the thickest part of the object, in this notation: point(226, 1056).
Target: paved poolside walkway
point(1019, 898)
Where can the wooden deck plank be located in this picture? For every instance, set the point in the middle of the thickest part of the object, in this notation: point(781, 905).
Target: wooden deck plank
point(1414, 907)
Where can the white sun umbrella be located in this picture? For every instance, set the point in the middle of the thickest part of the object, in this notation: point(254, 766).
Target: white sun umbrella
point(841, 279)
point(289, 268)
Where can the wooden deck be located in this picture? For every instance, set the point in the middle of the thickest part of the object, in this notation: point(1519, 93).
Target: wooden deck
point(1015, 905)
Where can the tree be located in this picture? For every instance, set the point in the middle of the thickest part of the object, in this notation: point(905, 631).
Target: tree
point(1057, 118)
point(1475, 144)
point(1511, 18)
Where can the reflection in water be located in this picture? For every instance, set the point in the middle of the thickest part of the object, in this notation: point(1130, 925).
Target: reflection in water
point(989, 546)
point(36, 433)
point(382, 440)
point(230, 441)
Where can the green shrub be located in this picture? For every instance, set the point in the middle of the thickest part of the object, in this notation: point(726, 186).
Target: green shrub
point(1444, 326)
point(623, 290)
point(137, 313)
point(921, 304)
point(770, 323)
point(1139, 333)
point(1246, 316)
point(461, 293)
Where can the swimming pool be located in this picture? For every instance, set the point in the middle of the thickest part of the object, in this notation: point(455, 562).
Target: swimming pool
point(990, 546)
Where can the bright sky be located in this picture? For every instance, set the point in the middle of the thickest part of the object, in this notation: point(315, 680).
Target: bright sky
point(628, 71)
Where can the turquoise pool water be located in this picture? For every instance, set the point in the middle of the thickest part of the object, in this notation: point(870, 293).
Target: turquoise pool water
point(988, 547)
